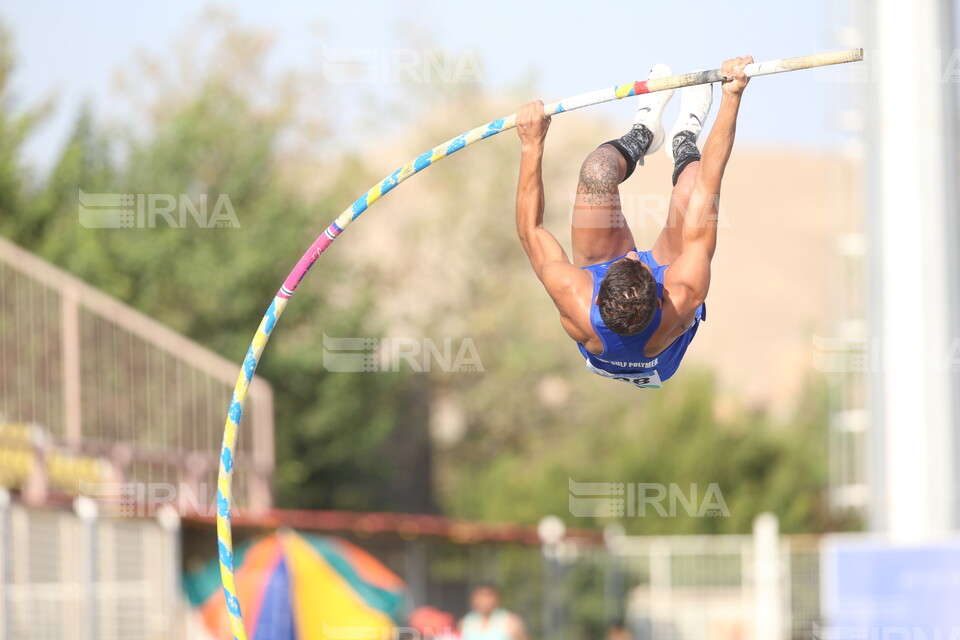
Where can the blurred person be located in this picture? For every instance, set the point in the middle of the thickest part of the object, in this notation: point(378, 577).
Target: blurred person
point(618, 631)
point(433, 624)
point(487, 620)
point(633, 313)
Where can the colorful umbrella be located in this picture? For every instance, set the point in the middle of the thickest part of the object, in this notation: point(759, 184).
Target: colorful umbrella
point(299, 587)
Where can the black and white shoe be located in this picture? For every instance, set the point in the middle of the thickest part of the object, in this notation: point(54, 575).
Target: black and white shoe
point(695, 104)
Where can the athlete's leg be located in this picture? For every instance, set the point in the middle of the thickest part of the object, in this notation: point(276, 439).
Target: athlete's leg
point(599, 230)
point(670, 241)
point(682, 150)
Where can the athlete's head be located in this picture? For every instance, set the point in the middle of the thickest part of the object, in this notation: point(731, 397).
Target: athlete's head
point(628, 296)
point(484, 599)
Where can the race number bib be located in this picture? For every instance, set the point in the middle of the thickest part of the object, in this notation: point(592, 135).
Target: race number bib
point(648, 380)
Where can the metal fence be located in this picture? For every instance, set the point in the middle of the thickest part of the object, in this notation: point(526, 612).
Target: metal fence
point(732, 587)
point(70, 575)
point(104, 381)
point(721, 587)
point(760, 586)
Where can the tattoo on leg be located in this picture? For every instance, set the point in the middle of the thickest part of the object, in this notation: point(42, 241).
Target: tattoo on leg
point(600, 178)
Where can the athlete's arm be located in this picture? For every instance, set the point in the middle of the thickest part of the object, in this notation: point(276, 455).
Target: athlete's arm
point(548, 259)
point(688, 278)
point(540, 245)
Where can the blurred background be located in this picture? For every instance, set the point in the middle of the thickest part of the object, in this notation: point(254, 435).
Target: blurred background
point(162, 168)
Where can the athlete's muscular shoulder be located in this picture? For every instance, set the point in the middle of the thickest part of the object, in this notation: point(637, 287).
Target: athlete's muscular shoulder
point(571, 289)
point(680, 304)
point(686, 283)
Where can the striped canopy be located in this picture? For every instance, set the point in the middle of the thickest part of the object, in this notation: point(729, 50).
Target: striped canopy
point(294, 586)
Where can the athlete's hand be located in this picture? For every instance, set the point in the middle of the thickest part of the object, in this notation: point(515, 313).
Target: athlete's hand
point(532, 125)
point(736, 79)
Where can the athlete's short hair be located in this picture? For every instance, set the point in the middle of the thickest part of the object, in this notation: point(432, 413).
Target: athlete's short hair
point(627, 298)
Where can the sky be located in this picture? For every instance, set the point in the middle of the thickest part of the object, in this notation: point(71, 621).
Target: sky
point(71, 50)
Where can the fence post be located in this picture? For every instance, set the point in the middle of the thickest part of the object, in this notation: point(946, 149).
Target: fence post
point(169, 521)
point(6, 571)
point(661, 581)
point(613, 609)
point(70, 348)
point(551, 531)
point(86, 510)
point(768, 616)
point(416, 571)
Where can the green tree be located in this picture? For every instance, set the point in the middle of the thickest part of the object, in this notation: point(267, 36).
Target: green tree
point(212, 132)
point(672, 436)
point(15, 127)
